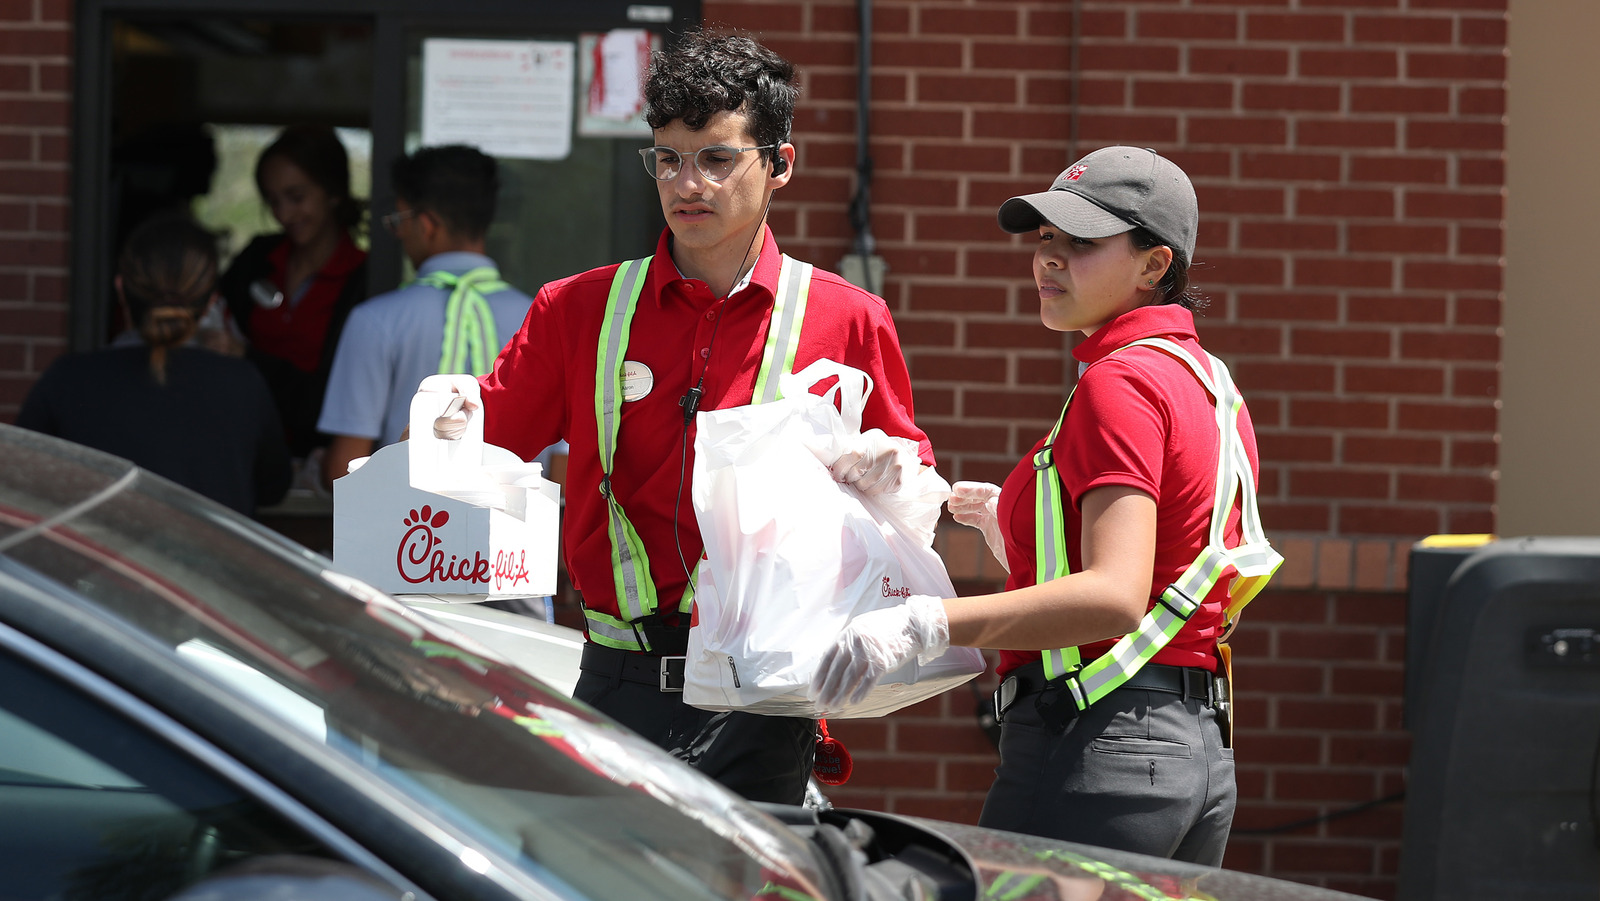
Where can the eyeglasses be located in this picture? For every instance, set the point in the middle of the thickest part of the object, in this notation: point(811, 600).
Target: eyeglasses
point(391, 221)
point(715, 162)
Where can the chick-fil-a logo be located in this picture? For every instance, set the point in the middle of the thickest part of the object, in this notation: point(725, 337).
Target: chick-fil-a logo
point(890, 592)
point(420, 559)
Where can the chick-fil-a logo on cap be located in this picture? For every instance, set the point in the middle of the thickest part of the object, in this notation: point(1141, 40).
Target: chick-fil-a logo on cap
point(1076, 172)
point(420, 559)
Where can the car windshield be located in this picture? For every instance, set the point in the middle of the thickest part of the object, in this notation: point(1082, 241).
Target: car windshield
point(519, 770)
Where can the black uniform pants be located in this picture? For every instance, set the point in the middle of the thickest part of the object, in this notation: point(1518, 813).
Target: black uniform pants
point(1140, 770)
point(763, 758)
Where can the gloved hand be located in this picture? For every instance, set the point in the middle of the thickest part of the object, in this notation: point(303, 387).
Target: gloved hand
point(876, 463)
point(452, 424)
point(876, 643)
point(977, 504)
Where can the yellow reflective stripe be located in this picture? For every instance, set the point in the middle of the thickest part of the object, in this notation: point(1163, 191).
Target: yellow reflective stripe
point(630, 565)
point(613, 632)
point(783, 328)
point(470, 342)
point(1254, 559)
point(1009, 886)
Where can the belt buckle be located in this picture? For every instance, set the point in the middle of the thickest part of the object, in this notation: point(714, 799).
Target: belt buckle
point(1005, 694)
point(667, 674)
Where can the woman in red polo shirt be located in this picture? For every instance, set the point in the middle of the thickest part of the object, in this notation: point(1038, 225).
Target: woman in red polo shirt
point(291, 292)
point(1107, 529)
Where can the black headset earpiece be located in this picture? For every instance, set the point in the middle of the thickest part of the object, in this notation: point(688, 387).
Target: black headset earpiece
point(780, 166)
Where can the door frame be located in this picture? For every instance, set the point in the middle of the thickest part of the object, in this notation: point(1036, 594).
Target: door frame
point(93, 261)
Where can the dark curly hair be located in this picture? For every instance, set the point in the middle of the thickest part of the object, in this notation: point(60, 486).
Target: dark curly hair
point(708, 72)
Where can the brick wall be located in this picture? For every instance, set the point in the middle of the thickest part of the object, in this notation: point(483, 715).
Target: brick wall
point(1348, 159)
point(35, 112)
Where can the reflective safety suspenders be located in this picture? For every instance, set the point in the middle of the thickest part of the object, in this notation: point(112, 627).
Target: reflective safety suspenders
point(471, 341)
point(1254, 561)
point(630, 565)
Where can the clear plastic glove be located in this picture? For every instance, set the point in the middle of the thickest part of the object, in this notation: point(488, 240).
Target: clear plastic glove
point(876, 463)
point(878, 643)
point(977, 504)
point(452, 423)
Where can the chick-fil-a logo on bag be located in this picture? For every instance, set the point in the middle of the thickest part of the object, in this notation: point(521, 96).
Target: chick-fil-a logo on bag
point(890, 591)
point(420, 559)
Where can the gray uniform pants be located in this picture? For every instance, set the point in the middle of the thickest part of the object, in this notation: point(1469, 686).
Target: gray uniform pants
point(1141, 770)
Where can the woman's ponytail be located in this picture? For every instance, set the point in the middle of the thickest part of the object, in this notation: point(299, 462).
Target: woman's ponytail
point(169, 274)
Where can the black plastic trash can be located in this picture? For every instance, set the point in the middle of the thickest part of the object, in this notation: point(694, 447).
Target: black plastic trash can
point(1503, 683)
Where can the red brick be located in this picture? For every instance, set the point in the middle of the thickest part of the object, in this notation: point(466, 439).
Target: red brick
point(1393, 379)
point(941, 739)
point(1475, 383)
point(1338, 483)
point(966, 89)
point(1293, 96)
point(1347, 64)
point(1303, 27)
point(1023, 125)
point(1217, 199)
point(1348, 202)
point(1470, 522)
point(1346, 272)
point(1478, 311)
point(959, 810)
point(1453, 276)
point(1441, 417)
point(1104, 23)
point(1047, 23)
point(1241, 339)
point(1349, 414)
point(1390, 98)
point(1392, 450)
point(1455, 136)
point(1190, 93)
point(1009, 405)
point(1188, 27)
point(1327, 341)
point(1404, 30)
point(1238, 61)
point(1289, 166)
point(1481, 171)
point(976, 298)
point(1454, 205)
point(1275, 375)
point(992, 18)
point(1382, 682)
point(29, 112)
point(1287, 236)
point(1127, 57)
point(914, 192)
point(1450, 346)
point(1236, 131)
point(1269, 748)
point(1483, 30)
point(1276, 447)
point(1296, 305)
point(1399, 169)
point(1296, 517)
point(917, 123)
point(1456, 66)
point(1011, 336)
point(1126, 128)
point(1400, 239)
point(1466, 454)
point(1049, 90)
point(1329, 715)
point(1397, 309)
point(1346, 133)
point(1481, 101)
point(1416, 486)
point(35, 42)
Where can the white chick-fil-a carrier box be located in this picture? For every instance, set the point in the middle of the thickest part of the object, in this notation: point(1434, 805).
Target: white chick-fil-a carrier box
point(456, 519)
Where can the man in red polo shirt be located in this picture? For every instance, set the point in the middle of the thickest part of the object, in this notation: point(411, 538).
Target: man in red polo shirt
point(689, 330)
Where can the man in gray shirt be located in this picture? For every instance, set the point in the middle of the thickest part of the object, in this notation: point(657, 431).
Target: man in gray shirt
point(454, 317)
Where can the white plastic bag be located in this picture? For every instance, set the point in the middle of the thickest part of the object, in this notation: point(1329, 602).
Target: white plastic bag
point(792, 555)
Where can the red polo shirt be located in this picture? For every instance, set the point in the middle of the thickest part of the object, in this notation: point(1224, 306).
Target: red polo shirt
point(1138, 418)
point(543, 389)
point(295, 330)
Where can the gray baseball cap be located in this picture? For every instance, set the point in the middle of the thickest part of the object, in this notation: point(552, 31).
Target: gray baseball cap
point(1110, 191)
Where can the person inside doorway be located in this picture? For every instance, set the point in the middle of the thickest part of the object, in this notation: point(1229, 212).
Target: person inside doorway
point(290, 293)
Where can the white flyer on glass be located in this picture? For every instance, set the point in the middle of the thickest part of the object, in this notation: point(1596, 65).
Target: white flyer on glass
point(510, 99)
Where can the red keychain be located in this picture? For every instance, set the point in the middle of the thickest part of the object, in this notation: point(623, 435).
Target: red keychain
point(833, 764)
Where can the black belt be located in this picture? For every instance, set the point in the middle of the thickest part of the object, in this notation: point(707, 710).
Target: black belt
point(665, 673)
point(1185, 681)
